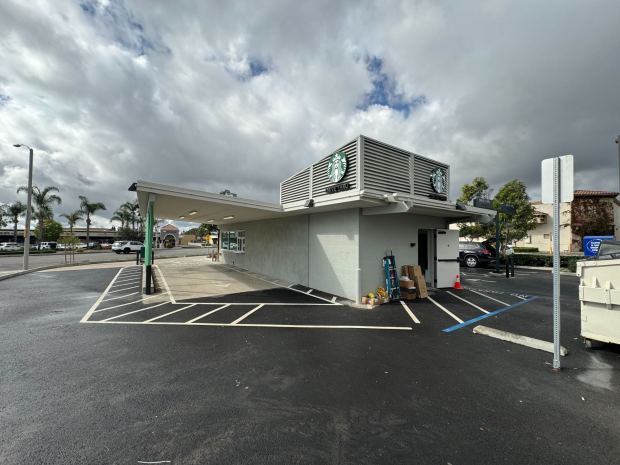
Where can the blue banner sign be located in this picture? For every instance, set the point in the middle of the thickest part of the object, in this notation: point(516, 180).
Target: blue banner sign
point(592, 243)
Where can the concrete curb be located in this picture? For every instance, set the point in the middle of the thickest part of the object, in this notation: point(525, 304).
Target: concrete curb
point(518, 339)
point(544, 268)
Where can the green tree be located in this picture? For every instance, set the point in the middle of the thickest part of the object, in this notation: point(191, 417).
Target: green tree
point(14, 212)
point(53, 230)
point(89, 208)
point(43, 200)
point(479, 188)
point(515, 193)
point(73, 218)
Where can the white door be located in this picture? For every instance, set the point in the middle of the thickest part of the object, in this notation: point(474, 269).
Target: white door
point(446, 257)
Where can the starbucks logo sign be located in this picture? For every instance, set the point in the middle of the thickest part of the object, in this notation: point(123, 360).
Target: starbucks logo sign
point(439, 180)
point(337, 167)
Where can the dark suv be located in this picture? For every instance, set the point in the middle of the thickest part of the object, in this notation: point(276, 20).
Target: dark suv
point(473, 254)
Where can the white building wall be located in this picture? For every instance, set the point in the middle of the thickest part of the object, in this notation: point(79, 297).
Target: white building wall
point(278, 248)
point(380, 234)
point(334, 252)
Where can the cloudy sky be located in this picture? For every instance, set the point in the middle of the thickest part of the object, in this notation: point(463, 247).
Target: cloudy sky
point(239, 95)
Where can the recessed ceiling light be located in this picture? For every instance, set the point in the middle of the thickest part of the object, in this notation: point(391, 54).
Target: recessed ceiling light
point(181, 217)
point(210, 221)
point(193, 212)
point(229, 217)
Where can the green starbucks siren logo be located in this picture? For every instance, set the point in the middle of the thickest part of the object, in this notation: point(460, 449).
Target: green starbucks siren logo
point(439, 180)
point(337, 167)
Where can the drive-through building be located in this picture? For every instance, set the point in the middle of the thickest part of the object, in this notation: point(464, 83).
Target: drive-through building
point(335, 221)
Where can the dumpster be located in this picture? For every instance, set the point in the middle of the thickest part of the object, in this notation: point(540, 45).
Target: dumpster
point(599, 294)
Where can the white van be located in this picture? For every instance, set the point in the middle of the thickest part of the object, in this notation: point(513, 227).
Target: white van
point(48, 245)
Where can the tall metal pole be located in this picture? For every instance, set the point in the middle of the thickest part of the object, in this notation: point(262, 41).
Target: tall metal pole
point(148, 245)
point(556, 263)
point(497, 244)
point(618, 143)
point(28, 211)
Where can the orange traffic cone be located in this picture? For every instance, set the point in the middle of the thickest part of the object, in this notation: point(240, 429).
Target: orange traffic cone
point(457, 283)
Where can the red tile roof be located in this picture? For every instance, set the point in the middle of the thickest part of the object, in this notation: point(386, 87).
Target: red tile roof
point(592, 193)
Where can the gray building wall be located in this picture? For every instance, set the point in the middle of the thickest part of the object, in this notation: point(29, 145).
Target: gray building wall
point(319, 251)
point(334, 256)
point(278, 248)
point(384, 233)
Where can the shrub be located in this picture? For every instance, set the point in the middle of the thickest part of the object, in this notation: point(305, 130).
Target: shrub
point(525, 249)
point(566, 261)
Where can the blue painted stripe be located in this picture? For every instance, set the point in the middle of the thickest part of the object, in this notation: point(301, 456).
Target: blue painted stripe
point(487, 315)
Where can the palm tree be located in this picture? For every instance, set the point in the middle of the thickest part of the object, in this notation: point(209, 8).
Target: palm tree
point(43, 200)
point(134, 210)
point(73, 218)
point(14, 211)
point(123, 216)
point(88, 209)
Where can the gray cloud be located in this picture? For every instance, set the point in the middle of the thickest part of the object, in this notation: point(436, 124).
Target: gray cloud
point(241, 97)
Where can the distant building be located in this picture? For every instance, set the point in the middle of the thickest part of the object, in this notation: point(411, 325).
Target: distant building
point(98, 235)
point(169, 236)
point(591, 212)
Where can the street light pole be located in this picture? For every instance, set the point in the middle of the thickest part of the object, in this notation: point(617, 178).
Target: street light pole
point(28, 207)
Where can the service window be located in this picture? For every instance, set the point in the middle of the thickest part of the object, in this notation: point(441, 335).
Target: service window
point(232, 240)
point(241, 241)
point(224, 240)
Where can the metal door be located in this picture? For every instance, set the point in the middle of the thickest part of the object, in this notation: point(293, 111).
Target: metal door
point(446, 257)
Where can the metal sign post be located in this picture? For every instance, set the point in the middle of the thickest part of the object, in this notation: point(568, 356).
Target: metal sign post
point(557, 187)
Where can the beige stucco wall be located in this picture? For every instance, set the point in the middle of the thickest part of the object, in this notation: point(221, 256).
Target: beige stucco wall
point(541, 237)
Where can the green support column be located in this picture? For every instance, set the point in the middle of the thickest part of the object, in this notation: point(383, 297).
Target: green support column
point(148, 246)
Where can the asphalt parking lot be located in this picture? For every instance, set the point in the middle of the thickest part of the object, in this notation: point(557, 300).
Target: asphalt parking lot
point(270, 385)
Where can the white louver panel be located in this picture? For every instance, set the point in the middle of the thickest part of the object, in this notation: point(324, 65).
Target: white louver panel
point(386, 169)
point(296, 187)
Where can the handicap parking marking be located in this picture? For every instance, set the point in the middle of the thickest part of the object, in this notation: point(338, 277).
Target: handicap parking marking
point(463, 324)
point(468, 302)
point(489, 297)
point(120, 296)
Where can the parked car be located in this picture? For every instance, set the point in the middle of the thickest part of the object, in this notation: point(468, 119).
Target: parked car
point(126, 246)
point(10, 246)
point(48, 245)
point(473, 254)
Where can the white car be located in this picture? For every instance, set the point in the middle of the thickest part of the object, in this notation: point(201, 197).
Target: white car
point(10, 246)
point(126, 246)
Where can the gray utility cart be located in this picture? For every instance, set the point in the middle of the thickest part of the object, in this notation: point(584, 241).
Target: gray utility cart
point(599, 293)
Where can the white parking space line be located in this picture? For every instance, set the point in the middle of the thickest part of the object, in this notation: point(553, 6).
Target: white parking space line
point(119, 297)
point(100, 299)
point(127, 303)
point(247, 314)
point(280, 285)
point(489, 297)
point(334, 299)
point(170, 313)
point(135, 311)
point(467, 302)
point(163, 280)
point(208, 313)
point(445, 310)
point(254, 325)
point(121, 282)
point(133, 286)
point(310, 291)
point(285, 304)
point(519, 297)
point(408, 310)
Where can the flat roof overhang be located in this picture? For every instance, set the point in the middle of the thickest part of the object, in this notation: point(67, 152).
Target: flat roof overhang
point(176, 203)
